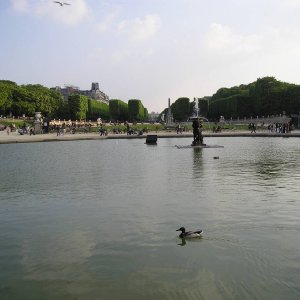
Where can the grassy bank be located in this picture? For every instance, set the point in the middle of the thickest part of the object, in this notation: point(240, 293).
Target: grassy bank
point(18, 123)
point(136, 128)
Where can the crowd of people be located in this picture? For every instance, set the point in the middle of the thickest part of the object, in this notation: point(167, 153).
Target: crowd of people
point(280, 127)
point(274, 127)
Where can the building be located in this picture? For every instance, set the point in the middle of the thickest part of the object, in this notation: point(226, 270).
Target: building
point(154, 116)
point(67, 90)
point(94, 92)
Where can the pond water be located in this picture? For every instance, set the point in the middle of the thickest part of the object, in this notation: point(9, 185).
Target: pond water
point(98, 219)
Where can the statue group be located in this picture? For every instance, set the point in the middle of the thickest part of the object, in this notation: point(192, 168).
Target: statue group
point(197, 132)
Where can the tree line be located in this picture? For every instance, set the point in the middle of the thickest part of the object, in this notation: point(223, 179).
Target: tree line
point(264, 97)
point(17, 100)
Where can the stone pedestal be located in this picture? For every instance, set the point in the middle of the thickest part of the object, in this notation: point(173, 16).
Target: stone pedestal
point(37, 124)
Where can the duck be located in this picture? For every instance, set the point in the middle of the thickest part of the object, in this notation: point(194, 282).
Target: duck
point(189, 234)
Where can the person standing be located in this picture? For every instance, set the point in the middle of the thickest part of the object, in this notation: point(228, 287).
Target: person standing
point(57, 130)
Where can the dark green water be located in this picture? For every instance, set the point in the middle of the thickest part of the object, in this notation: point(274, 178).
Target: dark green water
point(97, 220)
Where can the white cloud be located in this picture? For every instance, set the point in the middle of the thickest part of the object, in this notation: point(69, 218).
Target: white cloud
point(20, 5)
point(223, 39)
point(68, 14)
point(140, 29)
point(291, 3)
point(108, 23)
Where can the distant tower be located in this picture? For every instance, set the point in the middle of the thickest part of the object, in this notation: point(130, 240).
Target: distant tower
point(95, 86)
point(169, 113)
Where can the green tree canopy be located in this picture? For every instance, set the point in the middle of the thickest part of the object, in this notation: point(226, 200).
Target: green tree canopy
point(6, 96)
point(78, 105)
point(26, 99)
point(181, 109)
point(136, 110)
point(45, 100)
point(118, 110)
point(98, 109)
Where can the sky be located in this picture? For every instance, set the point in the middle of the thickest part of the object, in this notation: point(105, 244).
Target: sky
point(149, 49)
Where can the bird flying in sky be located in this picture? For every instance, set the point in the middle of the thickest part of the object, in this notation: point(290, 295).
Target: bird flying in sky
point(61, 3)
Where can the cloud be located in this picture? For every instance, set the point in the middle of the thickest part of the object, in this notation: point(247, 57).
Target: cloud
point(108, 23)
point(223, 39)
point(20, 5)
point(135, 30)
point(140, 29)
point(70, 15)
point(291, 3)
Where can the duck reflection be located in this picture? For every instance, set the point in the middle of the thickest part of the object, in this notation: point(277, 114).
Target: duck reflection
point(184, 242)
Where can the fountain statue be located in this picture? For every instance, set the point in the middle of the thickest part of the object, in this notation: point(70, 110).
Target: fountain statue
point(197, 126)
point(197, 130)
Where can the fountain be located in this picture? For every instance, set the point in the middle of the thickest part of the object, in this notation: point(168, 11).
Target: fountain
point(197, 126)
point(197, 130)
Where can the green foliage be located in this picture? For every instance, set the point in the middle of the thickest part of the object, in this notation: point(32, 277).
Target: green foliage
point(97, 110)
point(27, 99)
point(22, 102)
point(118, 110)
point(265, 96)
point(6, 100)
point(204, 106)
point(181, 109)
point(146, 114)
point(46, 101)
point(136, 110)
point(78, 106)
point(63, 111)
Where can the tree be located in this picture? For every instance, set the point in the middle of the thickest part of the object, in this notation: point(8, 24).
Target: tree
point(146, 114)
point(6, 100)
point(118, 110)
point(136, 110)
point(98, 109)
point(204, 106)
point(23, 102)
point(181, 109)
point(78, 106)
point(46, 100)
